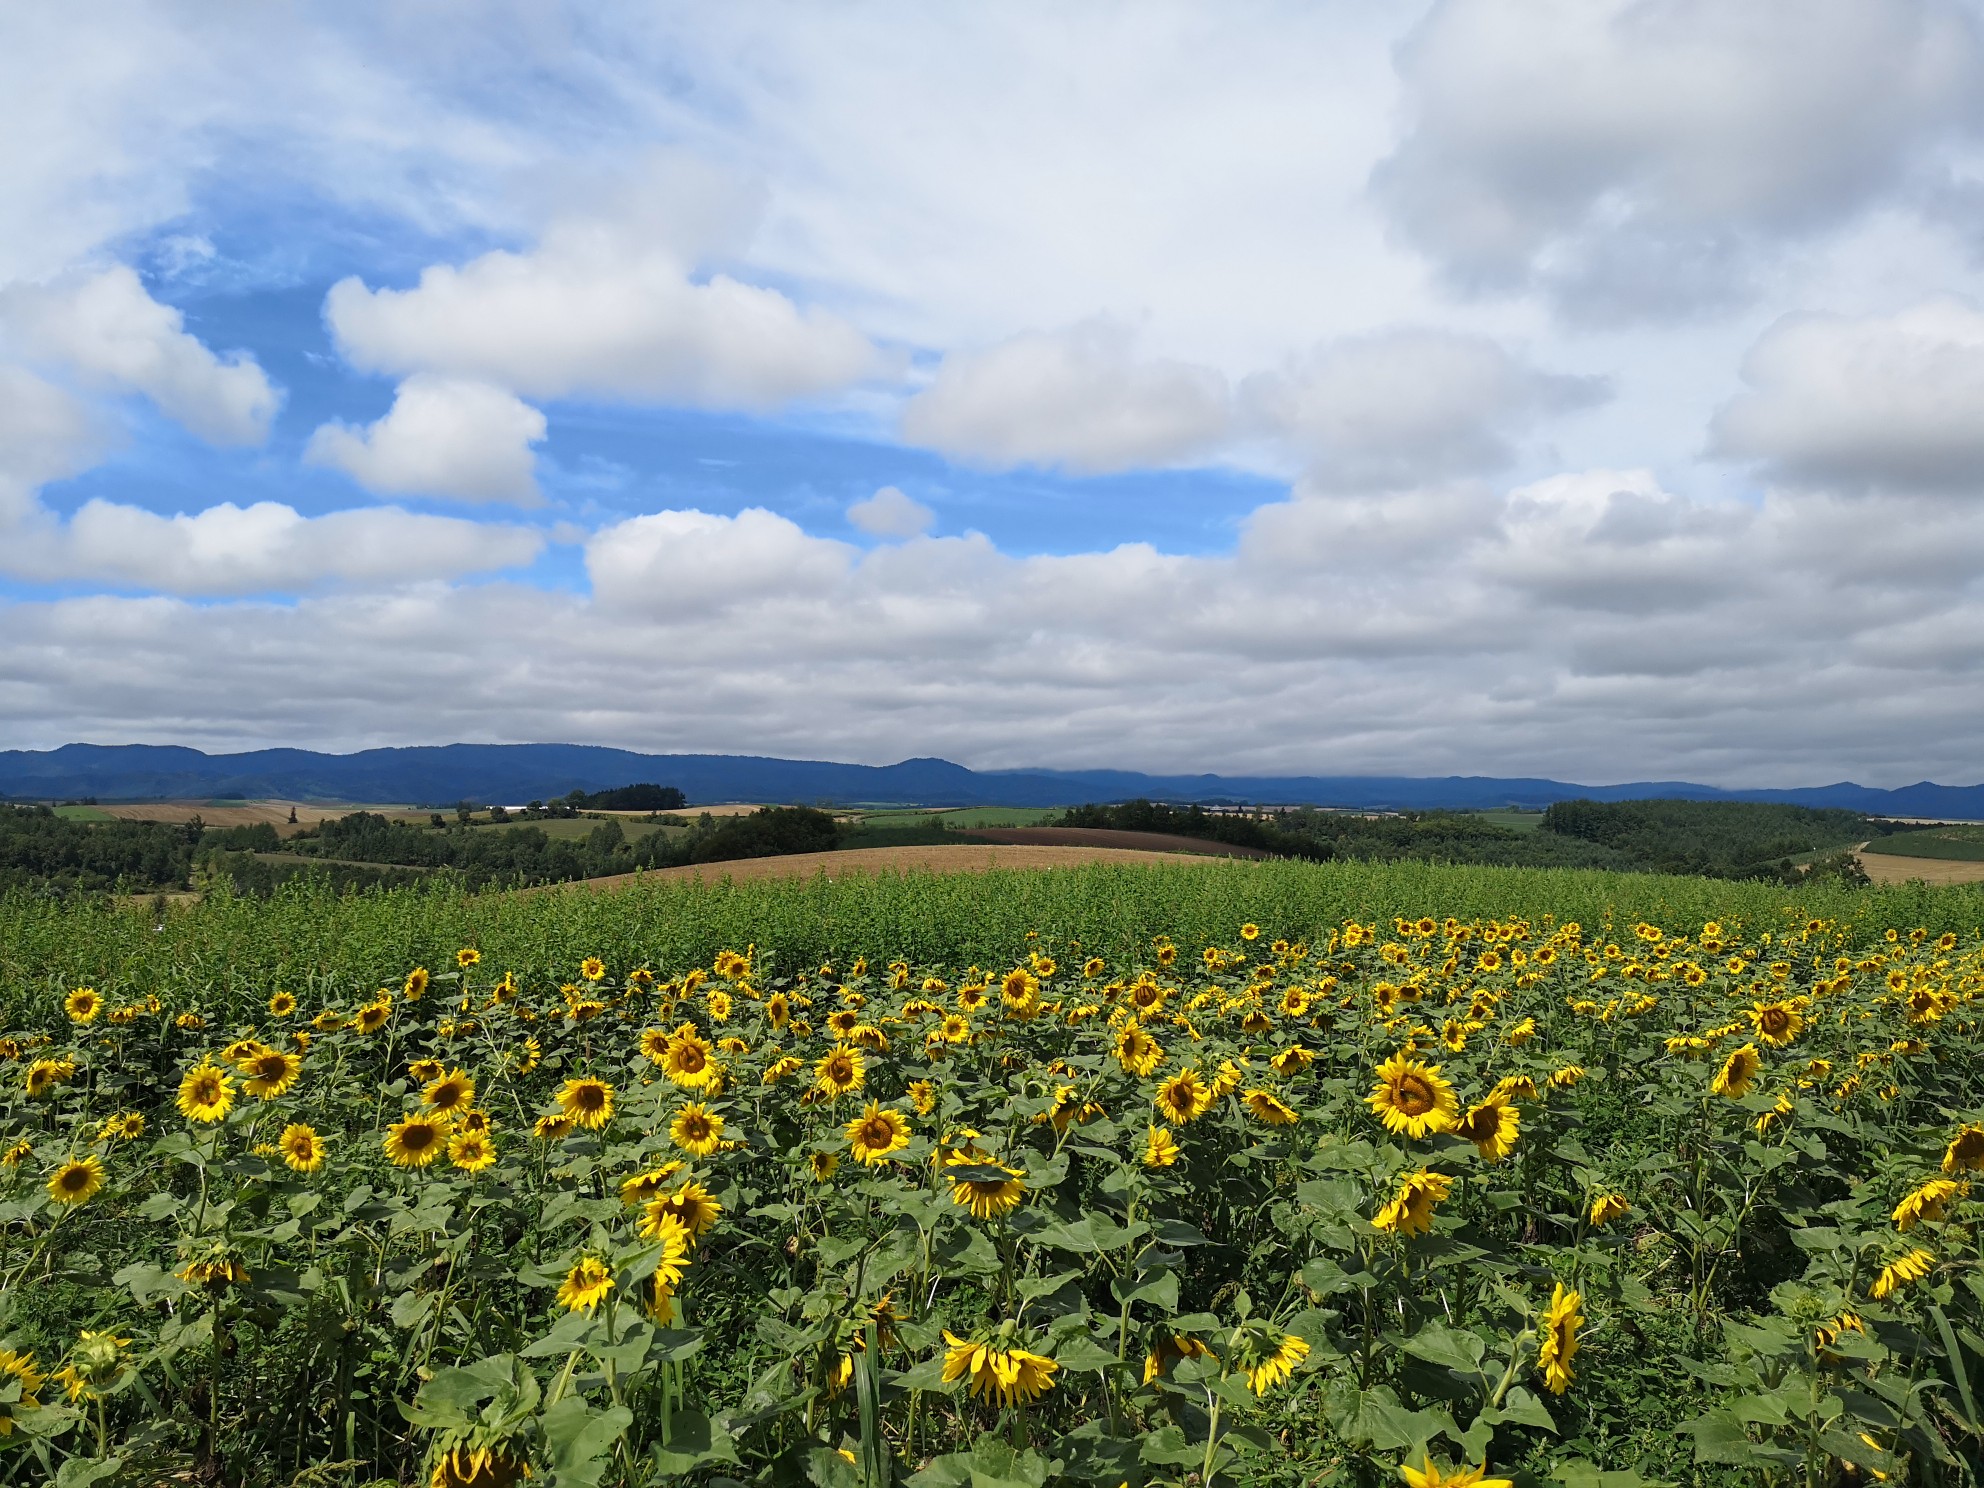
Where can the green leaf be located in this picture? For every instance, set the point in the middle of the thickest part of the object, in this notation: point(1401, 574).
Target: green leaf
point(79, 1472)
point(1524, 1409)
point(1721, 1437)
point(580, 1438)
point(1957, 1369)
point(693, 1439)
point(1455, 1348)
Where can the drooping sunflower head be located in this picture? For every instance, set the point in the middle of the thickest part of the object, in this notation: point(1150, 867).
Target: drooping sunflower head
point(416, 1141)
point(78, 1179)
point(1269, 1109)
point(1557, 1338)
point(1965, 1152)
point(1738, 1072)
point(1267, 1356)
point(1412, 1098)
point(1410, 1210)
point(984, 1188)
point(638, 1188)
point(691, 1205)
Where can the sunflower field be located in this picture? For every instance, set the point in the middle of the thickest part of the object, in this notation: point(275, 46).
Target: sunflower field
point(1438, 1198)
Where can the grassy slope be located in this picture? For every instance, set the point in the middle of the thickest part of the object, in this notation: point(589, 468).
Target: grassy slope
point(228, 954)
point(1958, 844)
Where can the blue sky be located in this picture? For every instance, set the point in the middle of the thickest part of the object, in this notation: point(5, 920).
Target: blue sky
point(1583, 389)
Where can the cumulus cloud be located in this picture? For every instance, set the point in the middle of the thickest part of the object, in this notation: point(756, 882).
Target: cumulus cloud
point(889, 513)
point(1857, 402)
point(444, 436)
point(1407, 407)
point(110, 331)
point(601, 309)
point(1078, 398)
point(1627, 155)
point(44, 434)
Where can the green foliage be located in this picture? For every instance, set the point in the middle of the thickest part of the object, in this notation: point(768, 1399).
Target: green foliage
point(1718, 839)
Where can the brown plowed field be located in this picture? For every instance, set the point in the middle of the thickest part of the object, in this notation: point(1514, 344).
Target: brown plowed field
point(1164, 842)
point(945, 858)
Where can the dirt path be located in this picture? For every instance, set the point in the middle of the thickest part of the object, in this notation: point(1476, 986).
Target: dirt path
point(1165, 842)
point(1885, 869)
point(946, 858)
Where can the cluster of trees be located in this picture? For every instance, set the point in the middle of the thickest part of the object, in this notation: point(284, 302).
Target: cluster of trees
point(1713, 839)
point(41, 850)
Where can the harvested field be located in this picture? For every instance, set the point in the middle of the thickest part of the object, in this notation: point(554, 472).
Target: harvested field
point(856, 862)
point(1162, 842)
point(1884, 868)
point(238, 813)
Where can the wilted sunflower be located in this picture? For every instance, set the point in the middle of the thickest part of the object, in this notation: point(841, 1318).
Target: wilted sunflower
point(301, 1147)
point(587, 1101)
point(77, 1179)
point(1000, 1373)
point(585, 1285)
point(1412, 1098)
point(1160, 1151)
point(1607, 1207)
point(1927, 1202)
point(695, 1130)
point(1410, 1210)
point(1903, 1270)
point(1269, 1108)
point(1738, 1072)
point(1557, 1339)
point(1268, 1358)
point(415, 1141)
point(82, 1005)
point(449, 1093)
point(839, 1072)
point(1168, 1350)
point(876, 1133)
point(271, 1073)
point(471, 1151)
point(205, 1094)
point(985, 1188)
point(1492, 1127)
point(1184, 1097)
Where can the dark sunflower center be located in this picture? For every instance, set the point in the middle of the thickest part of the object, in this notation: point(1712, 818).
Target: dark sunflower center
point(877, 1133)
point(1775, 1020)
point(1414, 1096)
point(590, 1097)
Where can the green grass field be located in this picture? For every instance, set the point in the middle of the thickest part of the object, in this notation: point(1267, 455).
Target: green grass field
point(84, 814)
point(1962, 844)
point(578, 828)
point(1510, 818)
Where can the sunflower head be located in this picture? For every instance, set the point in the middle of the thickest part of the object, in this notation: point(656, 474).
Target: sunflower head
point(1412, 1098)
point(78, 1179)
point(416, 1141)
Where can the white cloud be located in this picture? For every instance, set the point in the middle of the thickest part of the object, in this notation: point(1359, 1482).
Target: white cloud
point(1628, 154)
point(444, 436)
point(110, 331)
point(1407, 407)
point(889, 513)
point(1853, 402)
point(600, 309)
point(44, 433)
point(266, 547)
point(1078, 398)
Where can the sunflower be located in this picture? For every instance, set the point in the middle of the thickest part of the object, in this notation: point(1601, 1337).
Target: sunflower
point(123, 1127)
point(877, 1132)
point(1250, 931)
point(986, 1188)
point(301, 1147)
point(585, 1285)
point(1902, 1271)
point(282, 1004)
point(691, 1204)
point(1410, 1210)
point(587, 1101)
point(552, 1128)
point(471, 1151)
point(822, 1165)
point(452, 1092)
point(1965, 1152)
point(1003, 1375)
point(1607, 1207)
point(415, 1141)
point(1557, 1342)
point(1184, 1097)
point(45, 1074)
point(955, 1029)
point(1269, 1108)
point(923, 1095)
point(1136, 1050)
point(1168, 1350)
point(372, 1017)
point(467, 956)
point(676, 1242)
point(1777, 1023)
point(1927, 1202)
point(1491, 1126)
point(782, 1068)
point(844, 1069)
point(206, 1094)
point(82, 1005)
point(1738, 1071)
point(22, 1368)
point(592, 969)
point(695, 1130)
point(1412, 1098)
point(271, 1073)
point(524, 1060)
point(1429, 1476)
point(77, 1179)
point(686, 1060)
point(1267, 1360)
point(1566, 1077)
point(1160, 1151)
point(638, 1188)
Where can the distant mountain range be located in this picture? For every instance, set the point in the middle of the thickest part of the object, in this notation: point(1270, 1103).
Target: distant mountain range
point(514, 773)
